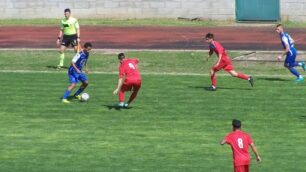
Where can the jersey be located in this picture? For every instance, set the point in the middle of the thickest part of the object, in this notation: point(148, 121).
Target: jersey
point(286, 40)
point(239, 142)
point(128, 68)
point(80, 59)
point(218, 49)
point(69, 26)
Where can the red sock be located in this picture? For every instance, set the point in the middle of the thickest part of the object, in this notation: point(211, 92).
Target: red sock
point(242, 76)
point(213, 80)
point(121, 96)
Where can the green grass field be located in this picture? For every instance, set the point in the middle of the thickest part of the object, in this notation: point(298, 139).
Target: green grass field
point(175, 124)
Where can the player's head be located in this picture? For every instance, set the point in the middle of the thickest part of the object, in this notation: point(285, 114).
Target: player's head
point(67, 12)
point(236, 124)
point(209, 37)
point(279, 28)
point(87, 46)
point(121, 56)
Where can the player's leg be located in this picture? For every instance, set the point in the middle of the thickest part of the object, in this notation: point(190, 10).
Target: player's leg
point(290, 63)
point(61, 56)
point(125, 87)
point(75, 44)
point(67, 92)
point(213, 79)
point(135, 90)
point(84, 80)
point(240, 168)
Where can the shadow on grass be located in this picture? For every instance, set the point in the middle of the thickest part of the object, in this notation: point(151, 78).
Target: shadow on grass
point(218, 88)
point(55, 67)
point(116, 107)
point(273, 79)
point(303, 117)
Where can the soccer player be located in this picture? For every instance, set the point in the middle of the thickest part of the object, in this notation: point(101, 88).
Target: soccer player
point(223, 62)
point(290, 52)
point(129, 79)
point(70, 30)
point(239, 142)
point(76, 74)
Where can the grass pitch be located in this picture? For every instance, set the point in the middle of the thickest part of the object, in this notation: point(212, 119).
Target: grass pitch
point(174, 124)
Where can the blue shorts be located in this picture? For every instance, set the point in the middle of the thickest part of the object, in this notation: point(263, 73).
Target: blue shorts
point(75, 77)
point(290, 58)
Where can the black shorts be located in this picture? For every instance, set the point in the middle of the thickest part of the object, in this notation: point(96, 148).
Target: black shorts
point(70, 40)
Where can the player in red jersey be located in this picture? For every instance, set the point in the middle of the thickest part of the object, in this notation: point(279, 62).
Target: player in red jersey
point(129, 79)
point(240, 142)
point(224, 62)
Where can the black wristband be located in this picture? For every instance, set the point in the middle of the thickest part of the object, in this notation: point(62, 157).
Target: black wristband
point(58, 37)
point(78, 37)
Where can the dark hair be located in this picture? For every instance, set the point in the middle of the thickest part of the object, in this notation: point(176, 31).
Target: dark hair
point(67, 10)
point(121, 56)
point(279, 25)
point(236, 124)
point(209, 36)
point(87, 44)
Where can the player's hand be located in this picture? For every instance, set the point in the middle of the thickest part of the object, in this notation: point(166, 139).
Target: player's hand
point(216, 65)
point(58, 42)
point(79, 40)
point(258, 159)
point(87, 71)
point(279, 57)
point(207, 58)
point(115, 91)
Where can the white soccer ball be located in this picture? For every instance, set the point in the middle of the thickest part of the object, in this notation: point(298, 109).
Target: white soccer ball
point(84, 97)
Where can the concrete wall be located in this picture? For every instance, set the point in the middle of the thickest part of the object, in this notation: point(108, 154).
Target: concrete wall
point(209, 9)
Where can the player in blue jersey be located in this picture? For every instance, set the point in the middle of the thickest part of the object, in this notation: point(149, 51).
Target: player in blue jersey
point(290, 52)
point(76, 74)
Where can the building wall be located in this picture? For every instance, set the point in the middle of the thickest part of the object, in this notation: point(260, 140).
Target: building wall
point(207, 9)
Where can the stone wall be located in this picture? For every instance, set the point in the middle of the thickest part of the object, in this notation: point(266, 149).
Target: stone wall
point(208, 9)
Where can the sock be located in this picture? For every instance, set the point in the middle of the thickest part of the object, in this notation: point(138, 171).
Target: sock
point(121, 96)
point(66, 94)
point(78, 91)
point(242, 76)
point(213, 80)
point(62, 57)
point(294, 72)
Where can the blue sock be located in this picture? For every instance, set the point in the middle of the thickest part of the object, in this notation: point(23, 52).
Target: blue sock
point(79, 91)
point(294, 72)
point(66, 94)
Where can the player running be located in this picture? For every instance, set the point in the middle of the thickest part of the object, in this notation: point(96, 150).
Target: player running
point(224, 62)
point(129, 79)
point(70, 30)
point(239, 142)
point(290, 52)
point(76, 74)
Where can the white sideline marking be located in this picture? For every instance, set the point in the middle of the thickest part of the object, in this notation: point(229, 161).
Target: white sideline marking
point(142, 73)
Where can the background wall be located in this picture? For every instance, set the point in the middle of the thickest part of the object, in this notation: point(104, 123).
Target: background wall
point(208, 9)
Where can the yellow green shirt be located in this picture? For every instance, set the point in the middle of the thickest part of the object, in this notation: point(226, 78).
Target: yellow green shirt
point(70, 26)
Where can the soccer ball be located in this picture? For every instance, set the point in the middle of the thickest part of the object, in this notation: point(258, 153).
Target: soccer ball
point(84, 97)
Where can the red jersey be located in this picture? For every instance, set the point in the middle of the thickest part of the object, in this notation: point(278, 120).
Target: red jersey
point(240, 142)
point(128, 68)
point(218, 49)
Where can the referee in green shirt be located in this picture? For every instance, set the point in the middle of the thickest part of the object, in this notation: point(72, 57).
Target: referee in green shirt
point(70, 31)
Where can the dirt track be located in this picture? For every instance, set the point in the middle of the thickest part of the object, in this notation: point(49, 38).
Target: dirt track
point(233, 38)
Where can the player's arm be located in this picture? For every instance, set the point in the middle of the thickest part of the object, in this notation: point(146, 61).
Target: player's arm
point(77, 27)
point(86, 68)
point(223, 141)
point(255, 152)
point(74, 60)
point(58, 40)
point(287, 49)
point(119, 85)
point(219, 59)
point(209, 54)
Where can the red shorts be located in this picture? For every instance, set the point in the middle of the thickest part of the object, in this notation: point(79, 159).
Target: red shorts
point(226, 65)
point(242, 168)
point(131, 85)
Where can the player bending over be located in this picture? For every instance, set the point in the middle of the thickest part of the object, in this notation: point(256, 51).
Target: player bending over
point(224, 62)
point(239, 142)
point(76, 74)
point(290, 52)
point(129, 79)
